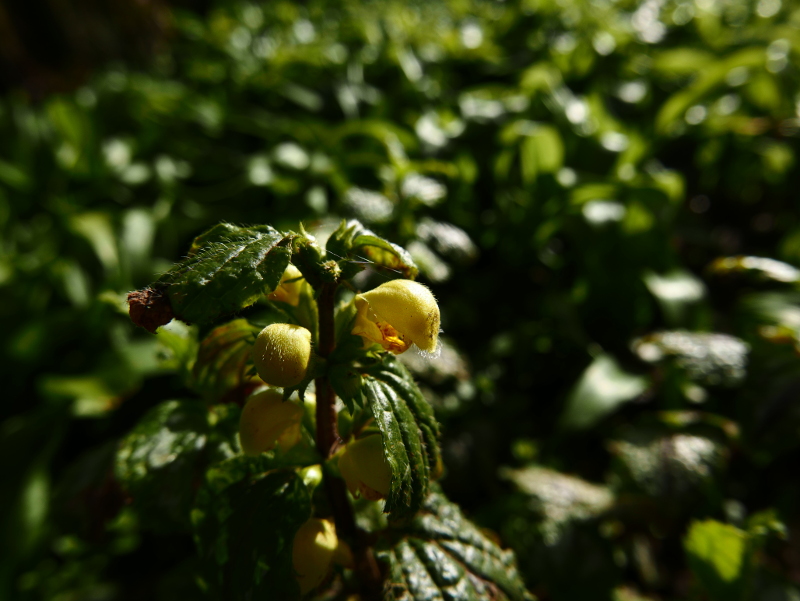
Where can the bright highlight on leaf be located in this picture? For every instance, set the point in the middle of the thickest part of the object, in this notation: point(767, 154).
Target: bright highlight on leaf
point(267, 421)
point(365, 469)
point(398, 314)
point(282, 353)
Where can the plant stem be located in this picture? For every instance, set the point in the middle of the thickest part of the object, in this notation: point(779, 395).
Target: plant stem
point(327, 426)
point(327, 442)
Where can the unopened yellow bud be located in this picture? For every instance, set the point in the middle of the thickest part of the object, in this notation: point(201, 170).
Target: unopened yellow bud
point(267, 420)
point(290, 287)
point(282, 353)
point(314, 547)
point(398, 314)
point(365, 469)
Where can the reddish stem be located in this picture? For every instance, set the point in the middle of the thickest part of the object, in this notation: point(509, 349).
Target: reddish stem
point(327, 442)
point(327, 426)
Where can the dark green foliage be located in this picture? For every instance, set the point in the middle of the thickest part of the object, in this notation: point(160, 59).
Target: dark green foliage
point(410, 434)
point(161, 462)
point(601, 195)
point(440, 554)
point(244, 531)
point(223, 359)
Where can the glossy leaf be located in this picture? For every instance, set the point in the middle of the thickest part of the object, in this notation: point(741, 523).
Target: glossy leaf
point(359, 247)
point(244, 531)
point(228, 269)
point(442, 555)
point(559, 499)
point(709, 358)
point(410, 434)
point(160, 461)
point(758, 268)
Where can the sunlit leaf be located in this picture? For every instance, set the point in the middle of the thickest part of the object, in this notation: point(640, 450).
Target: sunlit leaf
point(410, 434)
point(228, 269)
point(358, 248)
point(718, 555)
point(602, 388)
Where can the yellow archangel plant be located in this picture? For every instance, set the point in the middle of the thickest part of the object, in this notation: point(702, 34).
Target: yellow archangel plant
point(398, 314)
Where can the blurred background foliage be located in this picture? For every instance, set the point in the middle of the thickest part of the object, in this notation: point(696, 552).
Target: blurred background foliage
point(600, 194)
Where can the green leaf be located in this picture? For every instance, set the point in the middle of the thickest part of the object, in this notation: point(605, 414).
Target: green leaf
point(708, 358)
point(718, 555)
point(442, 555)
point(223, 359)
point(758, 268)
point(670, 466)
point(559, 499)
point(601, 389)
point(410, 434)
point(244, 532)
point(159, 461)
point(228, 268)
point(356, 246)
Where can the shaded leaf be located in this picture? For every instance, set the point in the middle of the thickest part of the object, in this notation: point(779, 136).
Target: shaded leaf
point(442, 555)
point(559, 498)
point(228, 268)
point(159, 461)
point(669, 466)
point(244, 531)
point(223, 359)
point(410, 434)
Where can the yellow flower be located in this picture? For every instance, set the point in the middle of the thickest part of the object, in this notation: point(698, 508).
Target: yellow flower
point(267, 420)
point(282, 353)
point(290, 287)
point(313, 551)
point(365, 469)
point(398, 314)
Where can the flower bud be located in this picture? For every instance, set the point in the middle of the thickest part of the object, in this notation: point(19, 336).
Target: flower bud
point(267, 420)
point(398, 314)
point(313, 551)
point(365, 469)
point(282, 353)
point(290, 287)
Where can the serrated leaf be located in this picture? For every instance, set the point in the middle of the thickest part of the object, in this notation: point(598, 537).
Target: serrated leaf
point(228, 268)
point(244, 533)
point(357, 246)
point(560, 499)
point(441, 555)
point(718, 555)
point(410, 434)
point(159, 461)
point(223, 359)
point(669, 466)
